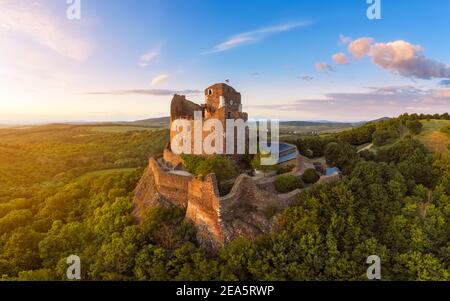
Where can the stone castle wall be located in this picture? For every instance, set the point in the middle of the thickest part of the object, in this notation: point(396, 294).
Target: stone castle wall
point(172, 186)
point(183, 108)
point(213, 216)
point(204, 210)
point(218, 219)
point(174, 160)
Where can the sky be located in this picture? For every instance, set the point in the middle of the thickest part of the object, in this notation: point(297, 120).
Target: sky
point(291, 60)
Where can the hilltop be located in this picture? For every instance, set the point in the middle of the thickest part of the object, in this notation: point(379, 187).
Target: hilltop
point(435, 136)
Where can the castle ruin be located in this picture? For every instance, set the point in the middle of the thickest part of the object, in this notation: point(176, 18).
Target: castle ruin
point(222, 103)
point(219, 219)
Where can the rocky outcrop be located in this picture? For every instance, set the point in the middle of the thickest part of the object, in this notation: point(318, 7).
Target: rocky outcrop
point(244, 212)
point(218, 220)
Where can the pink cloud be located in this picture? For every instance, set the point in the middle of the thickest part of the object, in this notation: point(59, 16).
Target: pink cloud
point(373, 103)
point(360, 47)
point(401, 57)
point(324, 67)
point(341, 59)
point(444, 93)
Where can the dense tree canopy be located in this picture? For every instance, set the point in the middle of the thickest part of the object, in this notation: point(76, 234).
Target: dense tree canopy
point(342, 155)
point(414, 126)
point(310, 176)
point(72, 195)
point(287, 183)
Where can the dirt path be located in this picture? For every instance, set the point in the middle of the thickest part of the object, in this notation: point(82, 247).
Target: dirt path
point(368, 147)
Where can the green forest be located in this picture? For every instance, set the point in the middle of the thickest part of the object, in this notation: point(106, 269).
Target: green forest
point(67, 189)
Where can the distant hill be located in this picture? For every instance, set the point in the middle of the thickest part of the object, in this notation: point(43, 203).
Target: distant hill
point(166, 120)
point(360, 123)
point(315, 123)
point(152, 122)
point(285, 126)
point(381, 119)
point(288, 128)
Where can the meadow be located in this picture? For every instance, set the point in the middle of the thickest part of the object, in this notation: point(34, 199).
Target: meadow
point(434, 136)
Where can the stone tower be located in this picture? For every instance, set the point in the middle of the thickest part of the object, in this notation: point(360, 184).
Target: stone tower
point(222, 102)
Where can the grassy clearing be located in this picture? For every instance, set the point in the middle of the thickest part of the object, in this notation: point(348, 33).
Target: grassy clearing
point(115, 129)
point(433, 137)
point(313, 129)
point(107, 172)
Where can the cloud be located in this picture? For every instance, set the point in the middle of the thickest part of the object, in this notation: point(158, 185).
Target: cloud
point(324, 67)
point(403, 58)
point(254, 36)
point(399, 57)
point(360, 47)
point(373, 103)
point(306, 78)
point(34, 22)
point(159, 79)
point(343, 40)
point(232, 43)
point(153, 92)
point(398, 90)
point(149, 56)
point(341, 59)
point(444, 93)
